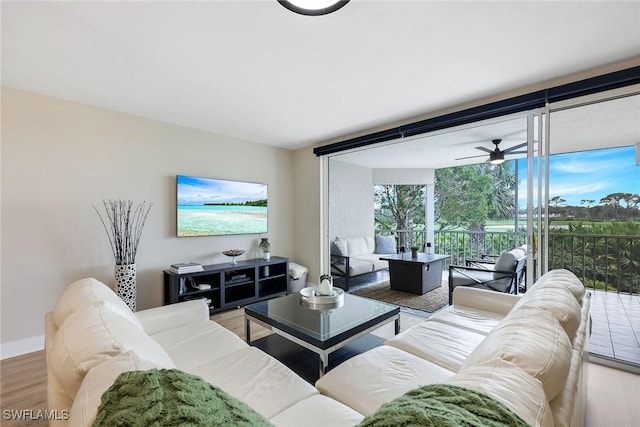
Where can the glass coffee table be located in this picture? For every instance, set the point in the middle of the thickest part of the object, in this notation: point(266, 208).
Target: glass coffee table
point(322, 331)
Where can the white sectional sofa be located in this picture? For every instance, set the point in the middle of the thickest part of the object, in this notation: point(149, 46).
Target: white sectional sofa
point(528, 352)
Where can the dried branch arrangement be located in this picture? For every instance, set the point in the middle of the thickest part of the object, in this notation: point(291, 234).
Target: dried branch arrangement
point(123, 223)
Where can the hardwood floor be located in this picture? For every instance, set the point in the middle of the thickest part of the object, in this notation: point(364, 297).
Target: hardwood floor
point(23, 381)
point(612, 395)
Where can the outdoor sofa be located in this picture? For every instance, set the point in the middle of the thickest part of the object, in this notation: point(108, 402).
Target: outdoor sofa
point(356, 256)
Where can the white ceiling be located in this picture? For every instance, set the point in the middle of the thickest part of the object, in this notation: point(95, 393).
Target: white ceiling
point(611, 123)
point(256, 71)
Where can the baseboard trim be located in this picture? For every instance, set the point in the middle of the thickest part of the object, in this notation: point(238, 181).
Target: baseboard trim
point(20, 347)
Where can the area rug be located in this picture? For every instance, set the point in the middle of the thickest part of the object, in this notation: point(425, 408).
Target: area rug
point(430, 302)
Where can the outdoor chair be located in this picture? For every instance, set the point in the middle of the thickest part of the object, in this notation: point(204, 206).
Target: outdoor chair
point(502, 276)
point(488, 261)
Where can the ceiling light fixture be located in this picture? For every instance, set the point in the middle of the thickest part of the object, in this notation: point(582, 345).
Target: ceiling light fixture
point(313, 7)
point(496, 157)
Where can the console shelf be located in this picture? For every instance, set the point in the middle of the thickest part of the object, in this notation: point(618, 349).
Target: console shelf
point(232, 286)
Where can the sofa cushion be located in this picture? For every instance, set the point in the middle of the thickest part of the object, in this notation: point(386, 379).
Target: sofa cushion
point(471, 319)
point(338, 248)
point(562, 278)
point(93, 334)
point(558, 301)
point(370, 379)
point(359, 246)
point(374, 259)
point(97, 381)
point(507, 262)
point(86, 292)
point(197, 343)
point(317, 411)
point(257, 379)
point(356, 267)
point(510, 385)
point(533, 340)
point(440, 343)
point(385, 245)
point(171, 398)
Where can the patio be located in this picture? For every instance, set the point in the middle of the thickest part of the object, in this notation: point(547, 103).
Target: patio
point(616, 326)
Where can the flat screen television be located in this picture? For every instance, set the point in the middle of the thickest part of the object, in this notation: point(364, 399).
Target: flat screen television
point(214, 207)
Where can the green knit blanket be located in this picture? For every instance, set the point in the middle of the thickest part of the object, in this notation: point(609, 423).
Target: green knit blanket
point(443, 405)
point(170, 397)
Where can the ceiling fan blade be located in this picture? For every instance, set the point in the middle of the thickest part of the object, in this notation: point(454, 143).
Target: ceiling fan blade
point(486, 150)
point(517, 152)
point(470, 157)
point(515, 147)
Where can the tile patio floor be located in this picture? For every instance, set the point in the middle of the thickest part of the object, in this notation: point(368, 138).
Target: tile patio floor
point(616, 326)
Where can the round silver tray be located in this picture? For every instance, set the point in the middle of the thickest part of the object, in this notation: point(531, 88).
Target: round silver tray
point(311, 298)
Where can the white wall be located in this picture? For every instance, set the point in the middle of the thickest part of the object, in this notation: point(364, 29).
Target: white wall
point(407, 176)
point(59, 158)
point(306, 166)
point(350, 200)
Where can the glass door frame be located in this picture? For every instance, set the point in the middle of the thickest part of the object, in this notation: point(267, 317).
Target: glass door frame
point(538, 184)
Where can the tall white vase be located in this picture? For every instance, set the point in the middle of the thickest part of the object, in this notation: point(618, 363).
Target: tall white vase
point(126, 284)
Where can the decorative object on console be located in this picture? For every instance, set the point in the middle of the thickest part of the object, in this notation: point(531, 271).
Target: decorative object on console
point(326, 284)
point(265, 247)
point(414, 252)
point(233, 253)
point(186, 267)
point(123, 223)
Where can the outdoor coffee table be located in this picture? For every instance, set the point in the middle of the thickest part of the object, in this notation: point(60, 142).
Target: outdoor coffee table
point(321, 331)
point(417, 275)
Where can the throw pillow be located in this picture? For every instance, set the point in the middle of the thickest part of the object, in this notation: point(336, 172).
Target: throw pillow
point(338, 248)
point(443, 405)
point(385, 245)
point(506, 262)
point(170, 397)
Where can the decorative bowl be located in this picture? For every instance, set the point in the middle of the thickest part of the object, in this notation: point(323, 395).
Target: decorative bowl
point(233, 253)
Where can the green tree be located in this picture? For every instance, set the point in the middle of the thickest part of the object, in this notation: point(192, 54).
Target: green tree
point(503, 184)
point(399, 207)
point(466, 196)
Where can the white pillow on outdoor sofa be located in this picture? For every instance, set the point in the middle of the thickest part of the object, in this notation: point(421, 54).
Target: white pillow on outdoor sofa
point(385, 245)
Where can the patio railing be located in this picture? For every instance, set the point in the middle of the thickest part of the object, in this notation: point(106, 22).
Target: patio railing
point(606, 262)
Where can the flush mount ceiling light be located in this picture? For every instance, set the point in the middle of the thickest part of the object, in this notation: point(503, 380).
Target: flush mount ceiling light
point(313, 7)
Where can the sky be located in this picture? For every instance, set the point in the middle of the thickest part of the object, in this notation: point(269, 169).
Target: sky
point(587, 175)
point(196, 191)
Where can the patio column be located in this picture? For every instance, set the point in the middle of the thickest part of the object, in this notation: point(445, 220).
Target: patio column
point(429, 215)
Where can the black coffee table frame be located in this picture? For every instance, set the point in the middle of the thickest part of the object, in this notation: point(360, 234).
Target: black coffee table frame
point(321, 331)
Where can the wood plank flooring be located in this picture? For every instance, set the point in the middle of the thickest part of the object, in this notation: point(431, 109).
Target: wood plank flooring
point(612, 395)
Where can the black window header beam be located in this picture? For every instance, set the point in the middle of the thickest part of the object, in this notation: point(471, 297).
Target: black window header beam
point(492, 110)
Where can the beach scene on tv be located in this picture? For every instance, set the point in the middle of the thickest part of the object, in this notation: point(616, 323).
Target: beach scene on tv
point(210, 207)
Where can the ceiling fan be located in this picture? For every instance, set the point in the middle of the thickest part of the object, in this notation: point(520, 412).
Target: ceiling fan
point(496, 156)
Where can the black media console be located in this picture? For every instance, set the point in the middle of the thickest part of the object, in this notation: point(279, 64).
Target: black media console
point(231, 286)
